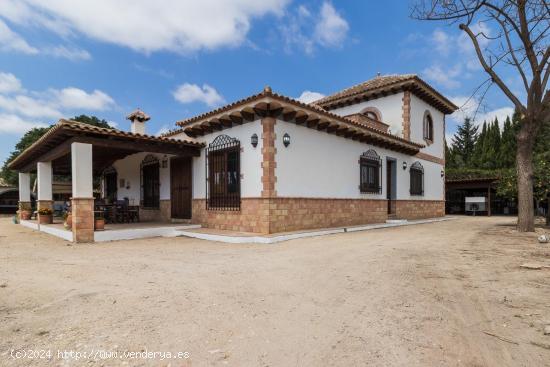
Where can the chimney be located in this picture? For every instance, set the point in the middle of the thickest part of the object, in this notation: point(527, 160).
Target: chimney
point(138, 119)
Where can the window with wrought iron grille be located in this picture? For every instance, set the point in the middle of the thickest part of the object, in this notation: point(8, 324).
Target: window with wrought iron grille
point(417, 179)
point(150, 182)
point(223, 185)
point(428, 127)
point(370, 166)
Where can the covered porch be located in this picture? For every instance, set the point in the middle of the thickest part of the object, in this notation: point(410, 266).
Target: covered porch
point(125, 178)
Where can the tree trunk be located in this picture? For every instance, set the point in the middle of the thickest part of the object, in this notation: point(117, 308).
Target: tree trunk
point(524, 166)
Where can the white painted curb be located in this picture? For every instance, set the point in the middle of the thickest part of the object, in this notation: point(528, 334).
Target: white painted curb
point(287, 237)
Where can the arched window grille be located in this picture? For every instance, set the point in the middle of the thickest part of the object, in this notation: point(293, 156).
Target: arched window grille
point(372, 113)
point(370, 172)
point(223, 172)
point(428, 127)
point(150, 182)
point(416, 179)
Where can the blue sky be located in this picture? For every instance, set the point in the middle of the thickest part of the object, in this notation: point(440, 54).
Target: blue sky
point(60, 58)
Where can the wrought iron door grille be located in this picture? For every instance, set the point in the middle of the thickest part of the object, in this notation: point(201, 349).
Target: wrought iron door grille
point(223, 174)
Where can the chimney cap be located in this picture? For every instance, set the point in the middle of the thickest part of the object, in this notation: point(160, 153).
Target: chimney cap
point(138, 115)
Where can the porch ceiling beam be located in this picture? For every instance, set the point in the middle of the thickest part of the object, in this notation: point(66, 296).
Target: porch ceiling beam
point(312, 123)
point(301, 119)
point(323, 125)
point(226, 121)
point(248, 116)
point(176, 149)
point(289, 116)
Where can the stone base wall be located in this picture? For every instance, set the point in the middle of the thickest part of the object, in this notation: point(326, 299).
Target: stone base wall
point(293, 214)
point(419, 209)
point(82, 210)
point(253, 216)
point(163, 214)
point(274, 215)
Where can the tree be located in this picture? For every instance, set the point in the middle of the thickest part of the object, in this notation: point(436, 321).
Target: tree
point(11, 177)
point(521, 44)
point(464, 141)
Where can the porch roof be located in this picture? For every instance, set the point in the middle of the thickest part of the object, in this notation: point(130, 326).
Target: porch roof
point(109, 145)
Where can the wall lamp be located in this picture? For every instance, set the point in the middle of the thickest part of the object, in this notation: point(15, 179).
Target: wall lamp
point(254, 140)
point(442, 173)
point(286, 140)
point(404, 165)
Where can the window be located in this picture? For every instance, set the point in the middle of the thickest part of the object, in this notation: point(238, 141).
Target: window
point(223, 187)
point(417, 179)
point(110, 183)
point(372, 113)
point(428, 127)
point(370, 165)
point(150, 183)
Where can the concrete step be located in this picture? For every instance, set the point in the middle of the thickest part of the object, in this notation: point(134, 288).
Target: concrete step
point(396, 221)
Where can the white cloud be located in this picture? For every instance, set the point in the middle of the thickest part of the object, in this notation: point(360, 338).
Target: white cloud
point(146, 26)
point(469, 107)
point(442, 41)
point(13, 124)
point(74, 98)
point(73, 54)
point(308, 96)
point(113, 124)
point(11, 41)
point(29, 106)
point(306, 30)
point(21, 110)
point(189, 93)
point(331, 28)
point(163, 130)
point(445, 77)
point(9, 83)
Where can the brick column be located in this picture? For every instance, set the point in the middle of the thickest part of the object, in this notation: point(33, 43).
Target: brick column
point(268, 173)
point(82, 211)
point(406, 115)
point(82, 207)
point(268, 161)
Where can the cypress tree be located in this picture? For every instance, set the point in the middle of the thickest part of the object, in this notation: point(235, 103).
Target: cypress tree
point(464, 142)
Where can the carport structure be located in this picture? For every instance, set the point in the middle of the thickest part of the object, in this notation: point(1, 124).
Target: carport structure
point(82, 151)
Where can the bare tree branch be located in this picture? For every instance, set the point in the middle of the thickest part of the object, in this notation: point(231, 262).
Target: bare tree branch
point(491, 71)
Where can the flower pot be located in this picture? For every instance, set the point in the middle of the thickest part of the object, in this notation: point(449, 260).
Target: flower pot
point(99, 224)
point(45, 218)
point(25, 214)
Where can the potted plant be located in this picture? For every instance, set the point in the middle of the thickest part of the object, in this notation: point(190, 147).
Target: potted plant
point(67, 220)
point(45, 216)
point(25, 212)
point(99, 223)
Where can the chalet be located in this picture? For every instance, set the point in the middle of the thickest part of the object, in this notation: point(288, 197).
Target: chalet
point(264, 164)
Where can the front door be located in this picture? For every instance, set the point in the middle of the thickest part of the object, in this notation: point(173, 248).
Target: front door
point(390, 186)
point(181, 184)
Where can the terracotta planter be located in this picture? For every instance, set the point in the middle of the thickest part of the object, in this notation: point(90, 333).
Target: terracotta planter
point(25, 214)
point(99, 224)
point(45, 218)
point(68, 221)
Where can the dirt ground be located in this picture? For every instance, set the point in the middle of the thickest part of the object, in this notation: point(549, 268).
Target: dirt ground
point(441, 294)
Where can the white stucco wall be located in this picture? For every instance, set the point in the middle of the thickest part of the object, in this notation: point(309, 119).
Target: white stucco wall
point(321, 165)
point(390, 107)
point(418, 108)
point(129, 170)
point(251, 160)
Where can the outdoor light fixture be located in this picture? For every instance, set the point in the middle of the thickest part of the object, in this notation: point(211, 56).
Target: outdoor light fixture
point(404, 165)
point(165, 161)
point(254, 140)
point(442, 173)
point(286, 140)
